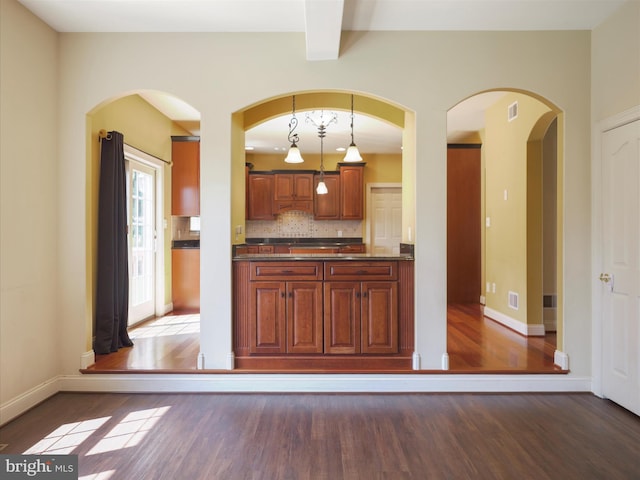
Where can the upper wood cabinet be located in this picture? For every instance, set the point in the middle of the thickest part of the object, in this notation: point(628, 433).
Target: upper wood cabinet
point(293, 191)
point(351, 191)
point(185, 176)
point(327, 206)
point(260, 196)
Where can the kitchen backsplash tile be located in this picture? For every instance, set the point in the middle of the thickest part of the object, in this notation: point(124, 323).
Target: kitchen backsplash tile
point(297, 224)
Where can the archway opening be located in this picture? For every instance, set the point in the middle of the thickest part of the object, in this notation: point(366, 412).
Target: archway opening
point(148, 120)
point(503, 231)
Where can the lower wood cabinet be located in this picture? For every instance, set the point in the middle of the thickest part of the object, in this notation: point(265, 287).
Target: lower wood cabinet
point(185, 279)
point(325, 314)
point(360, 317)
point(286, 317)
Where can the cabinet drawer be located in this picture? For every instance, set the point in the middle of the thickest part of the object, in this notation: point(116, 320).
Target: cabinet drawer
point(361, 270)
point(286, 271)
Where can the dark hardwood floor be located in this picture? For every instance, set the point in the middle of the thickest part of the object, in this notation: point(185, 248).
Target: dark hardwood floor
point(475, 344)
point(333, 436)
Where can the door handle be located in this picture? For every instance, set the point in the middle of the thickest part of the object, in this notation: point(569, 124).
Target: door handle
point(607, 280)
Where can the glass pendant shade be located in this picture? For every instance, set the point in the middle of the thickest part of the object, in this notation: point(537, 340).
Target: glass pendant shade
point(352, 155)
point(321, 189)
point(294, 155)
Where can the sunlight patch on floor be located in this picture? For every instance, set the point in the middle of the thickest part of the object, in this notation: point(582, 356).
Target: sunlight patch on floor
point(167, 325)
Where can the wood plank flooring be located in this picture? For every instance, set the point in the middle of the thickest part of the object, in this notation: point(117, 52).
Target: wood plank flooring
point(475, 344)
point(333, 436)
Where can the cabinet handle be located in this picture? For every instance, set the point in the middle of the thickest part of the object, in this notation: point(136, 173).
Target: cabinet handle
point(287, 271)
point(357, 294)
point(290, 294)
point(364, 294)
point(282, 294)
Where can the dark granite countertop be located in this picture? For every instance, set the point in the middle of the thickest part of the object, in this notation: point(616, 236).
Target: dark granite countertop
point(185, 244)
point(318, 242)
point(279, 257)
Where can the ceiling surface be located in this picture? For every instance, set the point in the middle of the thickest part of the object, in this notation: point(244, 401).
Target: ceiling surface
point(322, 22)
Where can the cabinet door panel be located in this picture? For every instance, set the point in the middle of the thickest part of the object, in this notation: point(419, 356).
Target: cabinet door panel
point(342, 317)
point(327, 206)
point(352, 192)
point(379, 317)
point(303, 186)
point(304, 317)
point(260, 197)
point(185, 178)
point(185, 278)
point(267, 312)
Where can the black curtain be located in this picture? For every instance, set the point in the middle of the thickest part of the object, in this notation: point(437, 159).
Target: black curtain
point(112, 300)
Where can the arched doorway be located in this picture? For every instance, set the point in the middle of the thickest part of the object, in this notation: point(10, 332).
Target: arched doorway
point(148, 120)
point(510, 207)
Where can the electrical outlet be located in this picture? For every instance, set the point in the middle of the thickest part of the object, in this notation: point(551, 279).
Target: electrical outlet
point(493, 287)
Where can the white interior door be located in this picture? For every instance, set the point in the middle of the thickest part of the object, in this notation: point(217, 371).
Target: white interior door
point(142, 241)
point(621, 265)
point(386, 220)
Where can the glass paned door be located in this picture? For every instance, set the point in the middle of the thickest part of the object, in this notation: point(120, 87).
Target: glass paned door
point(142, 242)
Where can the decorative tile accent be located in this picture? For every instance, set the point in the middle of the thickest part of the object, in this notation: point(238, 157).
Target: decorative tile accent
point(298, 224)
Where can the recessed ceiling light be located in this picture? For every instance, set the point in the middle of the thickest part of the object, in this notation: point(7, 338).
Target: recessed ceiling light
point(340, 149)
point(247, 147)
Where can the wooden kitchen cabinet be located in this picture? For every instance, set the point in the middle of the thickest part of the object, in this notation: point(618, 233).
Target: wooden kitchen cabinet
point(333, 315)
point(327, 206)
point(185, 279)
point(285, 311)
point(351, 191)
point(260, 196)
point(185, 176)
point(293, 191)
point(361, 312)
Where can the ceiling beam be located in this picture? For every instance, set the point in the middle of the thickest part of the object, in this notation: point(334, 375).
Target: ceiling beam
point(323, 26)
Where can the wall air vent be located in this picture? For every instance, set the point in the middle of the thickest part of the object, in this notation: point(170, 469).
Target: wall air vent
point(513, 300)
point(512, 111)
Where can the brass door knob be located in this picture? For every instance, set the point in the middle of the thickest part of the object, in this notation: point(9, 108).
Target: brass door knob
point(605, 277)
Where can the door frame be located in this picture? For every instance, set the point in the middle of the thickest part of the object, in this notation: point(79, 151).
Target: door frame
point(158, 165)
point(367, 220)
point(597, 240)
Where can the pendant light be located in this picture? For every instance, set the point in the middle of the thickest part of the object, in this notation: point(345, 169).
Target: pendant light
point(321, 189)
point(352, 155)
point(321, 124)
point(294, 152)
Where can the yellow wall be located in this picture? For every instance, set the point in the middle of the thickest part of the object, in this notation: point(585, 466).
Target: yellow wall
point(505, 151)
point(146, 129)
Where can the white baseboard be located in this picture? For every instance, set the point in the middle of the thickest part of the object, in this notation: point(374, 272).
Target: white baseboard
point(415, 361)
point(168, 308)
point(325, 383)
point(483, 300)
point(293, 383)
point(529, 330)
point(561, 359)
point(87, 359)
point(445, 361)
point(29, 399)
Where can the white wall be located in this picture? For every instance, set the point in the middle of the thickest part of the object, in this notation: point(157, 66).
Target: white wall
point(30, 337)
point(615, 64)
point(218, 74)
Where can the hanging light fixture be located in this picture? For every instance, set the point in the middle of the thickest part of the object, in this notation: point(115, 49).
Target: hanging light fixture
point(322, 189)
point(352, 155)
point(321, 125)
point(294, 152)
